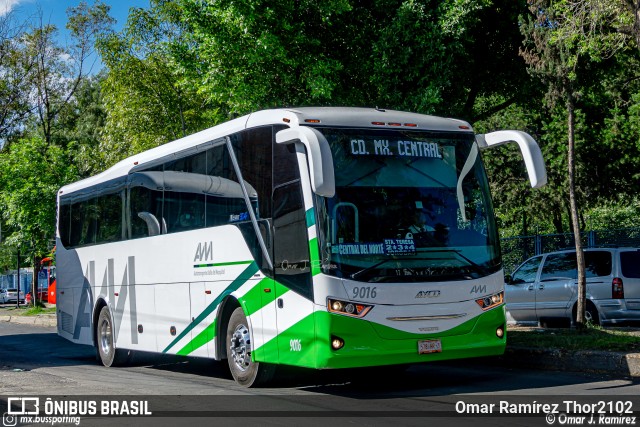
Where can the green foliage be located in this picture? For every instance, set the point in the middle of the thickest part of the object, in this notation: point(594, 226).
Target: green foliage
point(31, 171)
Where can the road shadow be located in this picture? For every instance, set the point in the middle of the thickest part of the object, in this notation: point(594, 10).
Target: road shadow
point(26, 351)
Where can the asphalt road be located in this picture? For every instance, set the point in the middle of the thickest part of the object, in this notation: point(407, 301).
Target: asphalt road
point(35, 361)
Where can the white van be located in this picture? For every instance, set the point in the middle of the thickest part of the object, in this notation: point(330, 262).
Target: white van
point(544, 288)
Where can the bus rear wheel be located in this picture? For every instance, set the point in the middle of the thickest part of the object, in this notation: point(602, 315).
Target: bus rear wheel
point(107, 353)
point(245, 371)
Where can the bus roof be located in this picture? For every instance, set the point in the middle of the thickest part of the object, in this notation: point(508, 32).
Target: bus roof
point(306, 116)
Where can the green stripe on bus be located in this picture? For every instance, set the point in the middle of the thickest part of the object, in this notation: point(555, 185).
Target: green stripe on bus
point(239, 281)
point(201, 339)
point(222, 264)
point(253, 301)
point(310, 217)
point(314, 254)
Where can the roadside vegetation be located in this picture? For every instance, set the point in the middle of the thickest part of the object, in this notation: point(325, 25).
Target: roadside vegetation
point(591, 338)
point(27, 310)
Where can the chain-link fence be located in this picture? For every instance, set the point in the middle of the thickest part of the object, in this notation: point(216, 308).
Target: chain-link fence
point(515, 250)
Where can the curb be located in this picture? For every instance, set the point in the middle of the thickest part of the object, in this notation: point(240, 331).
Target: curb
point(603, 362)
point(38, 320)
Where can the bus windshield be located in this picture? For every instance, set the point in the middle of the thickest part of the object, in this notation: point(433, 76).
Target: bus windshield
point(409, 206)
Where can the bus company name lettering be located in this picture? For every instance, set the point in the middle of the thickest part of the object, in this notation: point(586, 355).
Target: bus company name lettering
point(204, 252)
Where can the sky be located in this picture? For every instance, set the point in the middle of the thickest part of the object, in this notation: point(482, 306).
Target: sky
point(55, 12)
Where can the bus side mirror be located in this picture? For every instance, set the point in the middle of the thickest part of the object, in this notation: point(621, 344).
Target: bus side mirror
point(319, 154)
point(508, 279)
point(528, 147)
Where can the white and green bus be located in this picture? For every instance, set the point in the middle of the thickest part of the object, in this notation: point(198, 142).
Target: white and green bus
point(313, 237)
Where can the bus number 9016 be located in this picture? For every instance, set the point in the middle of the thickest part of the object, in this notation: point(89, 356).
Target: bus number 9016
point(365, 292)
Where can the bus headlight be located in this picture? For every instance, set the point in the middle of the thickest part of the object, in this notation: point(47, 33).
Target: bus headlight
point(491, 301)
point(347, 308)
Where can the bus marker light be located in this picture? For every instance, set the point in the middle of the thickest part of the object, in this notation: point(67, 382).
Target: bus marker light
point(378, 123)
point(312, 121)
point(411, 125)
point(267, 290)
point(208, 292)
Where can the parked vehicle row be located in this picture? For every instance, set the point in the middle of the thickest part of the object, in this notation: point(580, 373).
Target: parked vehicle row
point(10, 295)
point(544, 288)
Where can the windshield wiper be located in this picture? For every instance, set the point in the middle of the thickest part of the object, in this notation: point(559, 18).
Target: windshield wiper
point(477, 267)
point(365, 270)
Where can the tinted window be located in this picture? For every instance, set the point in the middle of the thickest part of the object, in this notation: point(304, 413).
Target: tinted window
point(252, 149)
point(560, 266)
point(185, 186)
point(291, 244)
point(225, 201)
point(597, 263)
point(630, 264)
point(64, 222)
point(527, 271)
point(109, 207)
point(145, 204)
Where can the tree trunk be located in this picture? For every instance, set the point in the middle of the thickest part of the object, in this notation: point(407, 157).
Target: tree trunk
point(582, 281)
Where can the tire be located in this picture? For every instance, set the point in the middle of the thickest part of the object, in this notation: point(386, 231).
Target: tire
point(591, 314)
point(106, 350)
point(244, 371)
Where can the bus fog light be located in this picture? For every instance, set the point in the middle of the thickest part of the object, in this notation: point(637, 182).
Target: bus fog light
point(500, 332)
point(350, 308)
point(337, 343)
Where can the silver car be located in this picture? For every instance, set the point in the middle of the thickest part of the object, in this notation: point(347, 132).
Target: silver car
point(544, 288)
point(10, 295)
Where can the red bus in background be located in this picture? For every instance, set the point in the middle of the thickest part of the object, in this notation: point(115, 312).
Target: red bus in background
point(47, 281)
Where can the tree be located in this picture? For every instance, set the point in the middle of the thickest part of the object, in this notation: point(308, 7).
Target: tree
point(31, 172)
point(15, 67)
point(148, 103)
point(59, 71)
point(563, 38)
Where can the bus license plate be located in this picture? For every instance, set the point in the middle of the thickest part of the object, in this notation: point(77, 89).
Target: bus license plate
point(429, 346)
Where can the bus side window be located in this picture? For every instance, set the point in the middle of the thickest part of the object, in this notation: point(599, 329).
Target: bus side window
point(148, 203)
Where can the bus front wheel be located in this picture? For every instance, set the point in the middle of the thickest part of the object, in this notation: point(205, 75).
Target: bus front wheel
point(245, 371)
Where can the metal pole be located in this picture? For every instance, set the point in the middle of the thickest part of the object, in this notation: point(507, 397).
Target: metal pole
point(18, 277)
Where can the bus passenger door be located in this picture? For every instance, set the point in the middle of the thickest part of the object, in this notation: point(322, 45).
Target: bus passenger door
point(293, 287)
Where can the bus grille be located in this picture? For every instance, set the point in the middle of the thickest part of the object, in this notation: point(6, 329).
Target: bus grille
point(67, 322)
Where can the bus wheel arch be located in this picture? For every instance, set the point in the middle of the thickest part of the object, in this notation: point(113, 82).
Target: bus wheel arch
point(94, 322)
point(228, 305)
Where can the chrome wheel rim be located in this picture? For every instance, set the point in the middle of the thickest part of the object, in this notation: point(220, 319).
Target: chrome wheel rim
point(105, 337)
point(240, 347)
